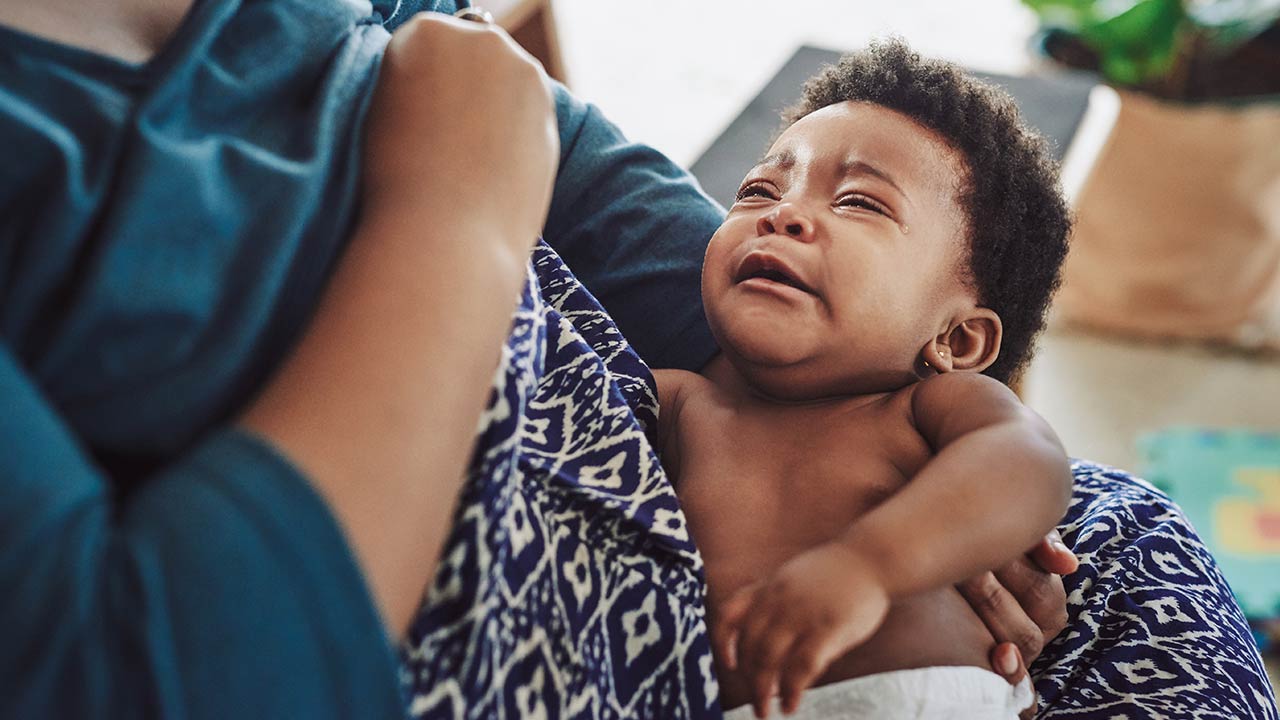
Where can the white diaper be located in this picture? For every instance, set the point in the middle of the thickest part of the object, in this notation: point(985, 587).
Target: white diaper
point(955, 693)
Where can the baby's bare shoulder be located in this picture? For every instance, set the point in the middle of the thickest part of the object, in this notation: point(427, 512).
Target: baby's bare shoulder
point(671, 382)
point(965, 393)
point(676, 390)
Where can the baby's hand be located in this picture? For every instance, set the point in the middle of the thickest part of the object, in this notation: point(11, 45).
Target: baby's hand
point(783, 631)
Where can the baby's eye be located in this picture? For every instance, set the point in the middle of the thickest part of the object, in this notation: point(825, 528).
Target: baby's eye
point(754, 190)
point(862, 201)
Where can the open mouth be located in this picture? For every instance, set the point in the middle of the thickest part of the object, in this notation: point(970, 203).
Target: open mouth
point(766, 267)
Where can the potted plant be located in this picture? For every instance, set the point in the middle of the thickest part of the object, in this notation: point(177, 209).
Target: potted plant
point(1178, 214)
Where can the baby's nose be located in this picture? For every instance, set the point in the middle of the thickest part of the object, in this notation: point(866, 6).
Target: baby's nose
point(786, 219)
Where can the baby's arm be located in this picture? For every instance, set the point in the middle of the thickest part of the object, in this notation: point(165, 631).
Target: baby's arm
point(998, 482)
point(674, 387)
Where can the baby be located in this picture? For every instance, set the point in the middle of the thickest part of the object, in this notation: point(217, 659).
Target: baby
point(883, 271)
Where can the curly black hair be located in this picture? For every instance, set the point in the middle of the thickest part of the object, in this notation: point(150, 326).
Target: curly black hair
point(1017, 221)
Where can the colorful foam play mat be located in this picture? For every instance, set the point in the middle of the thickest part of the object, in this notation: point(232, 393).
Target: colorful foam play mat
point(1228, 482)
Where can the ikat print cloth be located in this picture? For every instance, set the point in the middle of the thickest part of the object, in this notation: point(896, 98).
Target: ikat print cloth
point(570, 587)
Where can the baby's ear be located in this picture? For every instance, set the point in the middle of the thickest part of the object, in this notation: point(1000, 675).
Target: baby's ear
point(971, 344)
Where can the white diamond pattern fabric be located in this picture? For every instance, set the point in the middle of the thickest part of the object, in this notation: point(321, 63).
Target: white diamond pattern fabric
point(570, 587)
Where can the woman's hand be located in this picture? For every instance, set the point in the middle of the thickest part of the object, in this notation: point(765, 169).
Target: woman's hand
point(1007, 662)
point(1024, 606)
point(462, 125)
point(1024, 602)
point(781, 633)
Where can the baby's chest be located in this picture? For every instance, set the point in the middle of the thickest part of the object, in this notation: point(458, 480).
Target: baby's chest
point(756, 495)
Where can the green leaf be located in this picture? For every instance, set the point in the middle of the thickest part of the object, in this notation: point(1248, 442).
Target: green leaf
point(1135, 41)
point(1068, 15)
point(1121, 70)
point(1146, 23)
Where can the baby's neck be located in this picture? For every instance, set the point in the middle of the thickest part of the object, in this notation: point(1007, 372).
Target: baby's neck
point(721, 372)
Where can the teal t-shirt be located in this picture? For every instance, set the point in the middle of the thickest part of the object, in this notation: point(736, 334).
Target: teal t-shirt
point(166, 231)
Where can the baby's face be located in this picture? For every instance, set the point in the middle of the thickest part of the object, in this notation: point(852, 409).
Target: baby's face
point(842, 256)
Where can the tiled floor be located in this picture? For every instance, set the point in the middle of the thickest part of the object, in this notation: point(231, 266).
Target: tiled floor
point(674, 74)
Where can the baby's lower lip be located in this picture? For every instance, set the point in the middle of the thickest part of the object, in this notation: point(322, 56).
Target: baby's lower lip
point(774, 287)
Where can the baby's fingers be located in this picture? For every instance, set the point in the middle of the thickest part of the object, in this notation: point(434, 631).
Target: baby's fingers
point(760, 701)
point(804, 664)
point(764, 667)
point(728, 626)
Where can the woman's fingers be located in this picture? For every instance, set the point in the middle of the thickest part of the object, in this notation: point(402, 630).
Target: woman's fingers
point(1008, 663)
point(1003, 614)
point(1053, 555)
point(1041, 597)
point(1024, 602)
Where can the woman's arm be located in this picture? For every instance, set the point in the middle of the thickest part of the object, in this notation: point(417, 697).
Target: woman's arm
point(379, 402)
point(633, 226)
point(221, 587)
